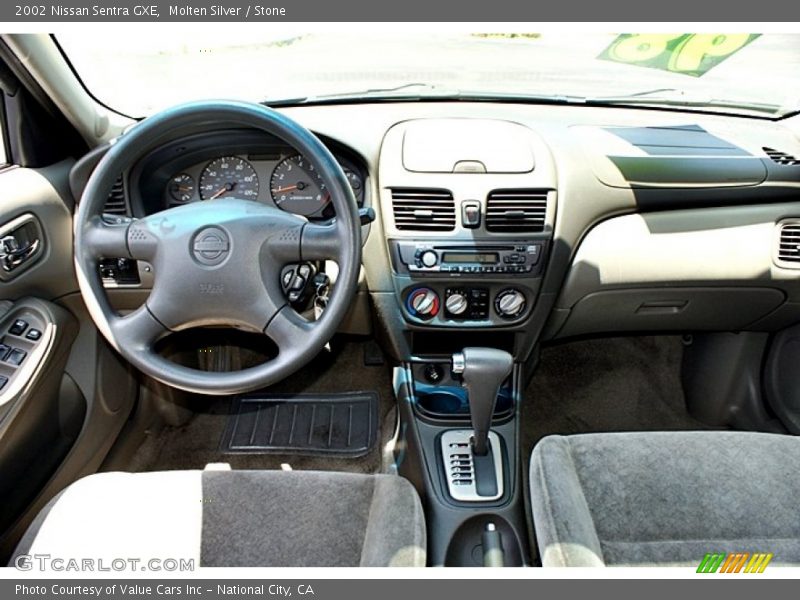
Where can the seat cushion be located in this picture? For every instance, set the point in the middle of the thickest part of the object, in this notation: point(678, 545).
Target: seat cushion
point(665, 498)
point(235, 518)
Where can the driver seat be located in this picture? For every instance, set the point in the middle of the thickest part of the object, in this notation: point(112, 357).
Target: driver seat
point(234, 519)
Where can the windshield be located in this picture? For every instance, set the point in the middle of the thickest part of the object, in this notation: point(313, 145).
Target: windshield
point(139, 74)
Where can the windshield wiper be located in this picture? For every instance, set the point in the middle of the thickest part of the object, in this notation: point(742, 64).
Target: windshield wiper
point(424, 91)
point(387, 93)
point(420, 91)
point(677, 97)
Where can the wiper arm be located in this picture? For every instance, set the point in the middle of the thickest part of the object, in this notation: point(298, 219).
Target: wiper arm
point(427, 92)
point(676, 97)
point(278, 102)
point(371, 93)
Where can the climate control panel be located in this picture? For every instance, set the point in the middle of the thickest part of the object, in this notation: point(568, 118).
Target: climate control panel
point(468, 304)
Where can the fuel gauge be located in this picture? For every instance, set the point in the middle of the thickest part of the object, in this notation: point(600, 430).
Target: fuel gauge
point(181, 187)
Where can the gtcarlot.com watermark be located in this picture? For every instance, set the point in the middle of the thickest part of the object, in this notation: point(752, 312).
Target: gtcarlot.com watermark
point(46, 562)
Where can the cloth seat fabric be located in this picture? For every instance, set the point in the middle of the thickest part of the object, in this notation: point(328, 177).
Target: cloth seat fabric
point(665, 498)
point(223, 518)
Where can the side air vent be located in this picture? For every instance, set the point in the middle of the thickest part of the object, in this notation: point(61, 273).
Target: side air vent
point(115, 204)
point(788, 254)
point(422, 209)
point(787, 160)
point(516, 211)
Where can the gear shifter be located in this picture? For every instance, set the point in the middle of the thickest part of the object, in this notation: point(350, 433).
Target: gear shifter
point(483, 371)
point(473, 459)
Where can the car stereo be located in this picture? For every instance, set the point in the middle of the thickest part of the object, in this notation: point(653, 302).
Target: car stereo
point(479, 258)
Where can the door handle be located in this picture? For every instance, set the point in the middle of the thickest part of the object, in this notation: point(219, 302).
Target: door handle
point(22, 244)
point(13, 255)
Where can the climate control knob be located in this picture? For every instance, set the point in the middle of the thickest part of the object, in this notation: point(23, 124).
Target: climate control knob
point(429, 258)
point(423, 303)
point(456, 303)
point(510, 303)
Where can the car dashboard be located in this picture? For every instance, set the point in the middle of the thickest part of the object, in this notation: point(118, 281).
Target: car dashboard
point(512, 224)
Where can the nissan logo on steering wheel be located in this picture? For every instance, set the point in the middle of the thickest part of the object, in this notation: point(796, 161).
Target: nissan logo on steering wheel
point(210, 246)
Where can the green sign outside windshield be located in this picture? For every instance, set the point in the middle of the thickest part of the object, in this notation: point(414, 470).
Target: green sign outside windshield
point(686, 53)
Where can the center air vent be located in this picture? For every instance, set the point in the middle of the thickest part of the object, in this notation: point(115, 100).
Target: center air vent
point(422, 209)
point(115, 204)
point(789, 245)
point(781, 158)
point(516, 211)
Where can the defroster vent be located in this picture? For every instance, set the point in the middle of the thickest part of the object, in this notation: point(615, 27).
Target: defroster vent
point(423, 209)
point(516, 211)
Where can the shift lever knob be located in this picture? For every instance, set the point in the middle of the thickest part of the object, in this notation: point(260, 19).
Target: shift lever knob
point(483, 371)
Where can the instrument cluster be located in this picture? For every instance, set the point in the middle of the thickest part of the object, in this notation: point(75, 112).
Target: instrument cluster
point(283, 178)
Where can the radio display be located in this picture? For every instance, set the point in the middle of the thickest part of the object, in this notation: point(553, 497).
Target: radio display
point(470, 257)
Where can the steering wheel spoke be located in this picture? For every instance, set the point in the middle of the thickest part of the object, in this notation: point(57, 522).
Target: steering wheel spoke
point(138, 331)
point(104, 240)
point(320, 242)
point(124, 240)
point(287, 328)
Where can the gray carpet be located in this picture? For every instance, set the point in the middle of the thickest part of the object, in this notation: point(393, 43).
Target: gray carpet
point(606, 384)
point(197, 443)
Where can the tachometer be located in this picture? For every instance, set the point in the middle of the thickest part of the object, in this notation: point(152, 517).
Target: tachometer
point(228, 177)
point(297, 187)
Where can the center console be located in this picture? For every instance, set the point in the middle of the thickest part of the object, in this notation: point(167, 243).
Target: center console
point(468, 208)
point(465, 493)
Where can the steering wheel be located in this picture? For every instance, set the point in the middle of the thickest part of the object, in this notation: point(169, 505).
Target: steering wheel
point(217, 263)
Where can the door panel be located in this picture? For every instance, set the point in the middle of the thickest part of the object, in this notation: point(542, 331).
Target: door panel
point(43, 195)
point(37, 429)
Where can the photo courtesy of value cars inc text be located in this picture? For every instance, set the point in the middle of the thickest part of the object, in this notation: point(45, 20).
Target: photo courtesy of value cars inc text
point(135, 590)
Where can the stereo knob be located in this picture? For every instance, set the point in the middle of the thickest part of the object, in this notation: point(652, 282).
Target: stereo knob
point(456, 303)
point(510, 303)
point(423, 303)
point(429, 258)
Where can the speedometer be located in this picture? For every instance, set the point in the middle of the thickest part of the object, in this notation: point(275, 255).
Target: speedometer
point(297, 187)
point(228, 177)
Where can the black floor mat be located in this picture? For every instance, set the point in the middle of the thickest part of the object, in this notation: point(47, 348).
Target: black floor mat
point(303, 424)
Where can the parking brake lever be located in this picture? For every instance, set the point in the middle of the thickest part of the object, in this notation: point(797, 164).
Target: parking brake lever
point(493, 554)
